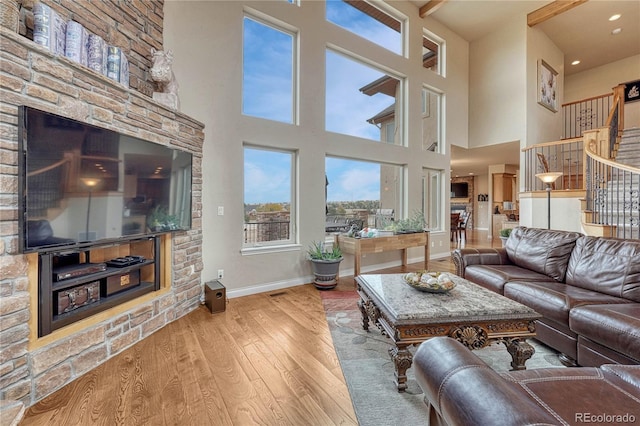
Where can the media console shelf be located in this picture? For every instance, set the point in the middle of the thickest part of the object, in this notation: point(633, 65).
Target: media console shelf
point(75, 284)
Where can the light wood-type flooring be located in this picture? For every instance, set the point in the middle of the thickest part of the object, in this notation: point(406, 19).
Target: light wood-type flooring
point(267, 360)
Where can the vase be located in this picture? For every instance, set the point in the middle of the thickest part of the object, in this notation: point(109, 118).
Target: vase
point(325, 272)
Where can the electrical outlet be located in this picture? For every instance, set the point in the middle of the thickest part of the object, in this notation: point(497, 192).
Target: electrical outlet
point(220, 273)
point(220, 210)
point(433, 244)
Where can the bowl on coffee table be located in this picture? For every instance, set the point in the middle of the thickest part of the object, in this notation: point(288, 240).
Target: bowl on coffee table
point(429, 281)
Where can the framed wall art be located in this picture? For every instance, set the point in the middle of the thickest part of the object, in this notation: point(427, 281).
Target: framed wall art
point(547, 86)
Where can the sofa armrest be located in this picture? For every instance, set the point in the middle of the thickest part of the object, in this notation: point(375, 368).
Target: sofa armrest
point(463, 390)
point(478, 256)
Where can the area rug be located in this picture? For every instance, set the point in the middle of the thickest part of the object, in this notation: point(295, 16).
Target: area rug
point(368, 369)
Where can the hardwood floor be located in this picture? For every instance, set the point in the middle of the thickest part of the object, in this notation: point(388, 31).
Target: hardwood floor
point(268, 359)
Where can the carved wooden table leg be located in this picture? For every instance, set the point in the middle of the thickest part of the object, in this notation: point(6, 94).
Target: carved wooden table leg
point(402, 359)
point(365, 315)
point(520, 352)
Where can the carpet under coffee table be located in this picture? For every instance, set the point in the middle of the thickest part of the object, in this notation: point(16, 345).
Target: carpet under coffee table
point(469, 313)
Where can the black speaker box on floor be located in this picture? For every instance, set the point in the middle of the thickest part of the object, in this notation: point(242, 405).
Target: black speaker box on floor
point(215, 296)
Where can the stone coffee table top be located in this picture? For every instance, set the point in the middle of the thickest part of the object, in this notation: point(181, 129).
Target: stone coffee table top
point(466, 302)
point(468, 313)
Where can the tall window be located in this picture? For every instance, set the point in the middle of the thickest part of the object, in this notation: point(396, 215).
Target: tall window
point(368, 21)
point(432, 199)
point(269, 201)
point(366, 192)
point(431, 121)
point(361, 100)
point(433, 53)
point(268, 71)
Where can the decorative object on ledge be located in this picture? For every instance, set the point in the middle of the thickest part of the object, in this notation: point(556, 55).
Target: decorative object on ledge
point(549, 178)
point(325, 265)
point(547, 86)
point(162, 75)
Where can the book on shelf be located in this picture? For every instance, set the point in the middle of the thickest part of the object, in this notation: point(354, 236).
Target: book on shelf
point(97, 54)
point(76, 43)
point(117, 65)
point(49, 29)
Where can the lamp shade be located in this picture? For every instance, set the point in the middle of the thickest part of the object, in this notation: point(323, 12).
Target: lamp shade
point(548, 177)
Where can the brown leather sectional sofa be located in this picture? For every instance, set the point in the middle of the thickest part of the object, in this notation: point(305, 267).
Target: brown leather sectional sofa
point(462, 390)
point(586, 288)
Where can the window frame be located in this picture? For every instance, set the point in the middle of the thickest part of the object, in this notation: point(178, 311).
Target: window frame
point(439, 41)
point(433, 203)
point(284, 28)
point(275, 245)
point(428, 113)
point(391, 13)
point(400, 95)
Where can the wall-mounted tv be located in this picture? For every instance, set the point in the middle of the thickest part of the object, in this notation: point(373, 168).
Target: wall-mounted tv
point(81, 184)
point(459, 189)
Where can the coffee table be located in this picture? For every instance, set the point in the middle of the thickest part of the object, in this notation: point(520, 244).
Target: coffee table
point(469, 313)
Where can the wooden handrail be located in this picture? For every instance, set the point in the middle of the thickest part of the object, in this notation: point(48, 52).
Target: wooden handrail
point(552, 143)
point(587, 99)
point(588, 149)
point(49, 167)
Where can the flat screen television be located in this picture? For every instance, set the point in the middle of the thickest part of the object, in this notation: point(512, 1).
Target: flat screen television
point(459, 189)
point(81, 184)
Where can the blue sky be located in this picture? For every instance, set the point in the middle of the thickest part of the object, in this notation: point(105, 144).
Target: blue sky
point(267, 93)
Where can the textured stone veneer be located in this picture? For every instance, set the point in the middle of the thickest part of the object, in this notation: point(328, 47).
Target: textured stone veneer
point(32, 76)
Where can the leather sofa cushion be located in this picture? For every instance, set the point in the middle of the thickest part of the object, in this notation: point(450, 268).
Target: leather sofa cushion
point(613, 326)
point(573, 393)
point(627, 377)
point(541, 250)
point(465, 391)
point(494, 277)
point(606, 265)
point(554, 300)
point(592, 354)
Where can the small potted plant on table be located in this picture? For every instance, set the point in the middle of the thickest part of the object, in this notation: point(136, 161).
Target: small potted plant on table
point(325, 265)
point(504, 235)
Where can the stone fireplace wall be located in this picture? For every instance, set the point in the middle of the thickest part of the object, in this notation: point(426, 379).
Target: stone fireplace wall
point(32, 368)
point(465, 204)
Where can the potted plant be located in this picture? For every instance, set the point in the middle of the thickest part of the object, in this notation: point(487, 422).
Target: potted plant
point(324, 264)
point(504, 235)
point(410, 225)
point(160, 220)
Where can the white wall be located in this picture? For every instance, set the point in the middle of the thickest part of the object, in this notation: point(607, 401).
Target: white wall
point(565, 212)
point(543, 125)
point(601, 81)
point(206, 38)
point(497, 91)
point(482, 209)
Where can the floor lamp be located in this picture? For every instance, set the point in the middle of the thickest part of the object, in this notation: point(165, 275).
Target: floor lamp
point(91, 184)
point(549, 178)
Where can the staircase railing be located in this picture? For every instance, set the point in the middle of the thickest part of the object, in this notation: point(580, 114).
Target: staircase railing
point(585, 114)
point(613, 191)
point(566, 156)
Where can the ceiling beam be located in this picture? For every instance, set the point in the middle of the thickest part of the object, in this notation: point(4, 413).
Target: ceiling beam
point(431, 7)
point(552, 9)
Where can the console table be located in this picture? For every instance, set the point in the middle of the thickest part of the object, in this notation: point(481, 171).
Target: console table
point(359, 246)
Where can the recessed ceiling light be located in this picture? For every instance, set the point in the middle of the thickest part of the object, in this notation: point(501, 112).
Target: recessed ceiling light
point(471, 173)
point(575, 62)
point(616, 31)
point(615, 17)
